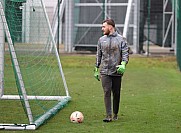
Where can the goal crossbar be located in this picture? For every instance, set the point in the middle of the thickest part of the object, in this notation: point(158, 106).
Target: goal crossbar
point(17, 97)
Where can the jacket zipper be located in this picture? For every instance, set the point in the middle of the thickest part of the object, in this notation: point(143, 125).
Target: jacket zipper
point(109, 54)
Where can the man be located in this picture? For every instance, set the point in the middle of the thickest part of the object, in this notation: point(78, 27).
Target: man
point(112, 57)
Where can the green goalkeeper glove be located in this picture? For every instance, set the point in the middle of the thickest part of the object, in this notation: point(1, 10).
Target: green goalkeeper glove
point(121, 68)
point(96, 73)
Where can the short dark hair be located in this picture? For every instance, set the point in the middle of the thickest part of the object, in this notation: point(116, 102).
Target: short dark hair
point(109, 22)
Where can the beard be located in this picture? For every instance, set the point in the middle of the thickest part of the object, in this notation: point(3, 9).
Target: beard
point(106, 32)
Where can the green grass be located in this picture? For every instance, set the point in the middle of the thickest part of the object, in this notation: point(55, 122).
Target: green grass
point(150, 98)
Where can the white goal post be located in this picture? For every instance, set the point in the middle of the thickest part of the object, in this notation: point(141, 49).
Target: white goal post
point(127, 18)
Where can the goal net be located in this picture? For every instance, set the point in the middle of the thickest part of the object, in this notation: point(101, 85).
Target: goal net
point(32, 83)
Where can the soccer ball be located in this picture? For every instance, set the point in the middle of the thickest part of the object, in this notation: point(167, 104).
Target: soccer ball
point(76, 117)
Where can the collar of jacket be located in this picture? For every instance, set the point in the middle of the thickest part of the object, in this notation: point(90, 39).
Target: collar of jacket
point(113, 34)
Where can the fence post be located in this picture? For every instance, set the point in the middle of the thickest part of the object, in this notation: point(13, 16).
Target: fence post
point(178, 53)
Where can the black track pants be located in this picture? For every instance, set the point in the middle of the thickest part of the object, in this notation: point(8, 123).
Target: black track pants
point(111, 84)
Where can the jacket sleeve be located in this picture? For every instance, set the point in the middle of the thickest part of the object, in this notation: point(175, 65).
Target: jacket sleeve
point(124, 51)
point(99, 54)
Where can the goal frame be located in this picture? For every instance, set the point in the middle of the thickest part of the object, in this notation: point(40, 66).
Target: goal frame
point(62, 100)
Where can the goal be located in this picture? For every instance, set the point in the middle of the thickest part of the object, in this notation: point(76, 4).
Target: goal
point(32, 83)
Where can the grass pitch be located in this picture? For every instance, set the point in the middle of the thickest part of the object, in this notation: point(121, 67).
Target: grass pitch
point(150, 98)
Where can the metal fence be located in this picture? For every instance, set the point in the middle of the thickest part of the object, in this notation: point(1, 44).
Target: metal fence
point(79, 23)
point(151, 22)
point(87, 16)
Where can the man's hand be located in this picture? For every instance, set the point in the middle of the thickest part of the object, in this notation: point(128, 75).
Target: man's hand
point(96, 73)
point(121, 68)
